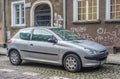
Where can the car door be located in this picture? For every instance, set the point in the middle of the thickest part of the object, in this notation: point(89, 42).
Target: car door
point(22, 42)
point(40, 48)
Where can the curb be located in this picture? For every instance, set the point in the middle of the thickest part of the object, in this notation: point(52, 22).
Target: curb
point(0, 45)
point(2, 54)
point(3, 51)
point(113, 64)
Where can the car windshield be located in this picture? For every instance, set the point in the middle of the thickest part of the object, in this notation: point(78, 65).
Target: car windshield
point(65, 34)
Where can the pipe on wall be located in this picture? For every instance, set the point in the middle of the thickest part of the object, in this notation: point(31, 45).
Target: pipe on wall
point(64, 14)
point(3, 24)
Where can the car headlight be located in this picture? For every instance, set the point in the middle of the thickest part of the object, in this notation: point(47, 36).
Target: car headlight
point(91, 51)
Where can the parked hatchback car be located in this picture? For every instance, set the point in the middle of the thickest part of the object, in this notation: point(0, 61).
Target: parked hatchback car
point(55, 46)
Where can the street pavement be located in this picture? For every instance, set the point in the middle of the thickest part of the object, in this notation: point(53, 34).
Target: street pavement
point(30, 70)
point(3, 51)
point(113, 59)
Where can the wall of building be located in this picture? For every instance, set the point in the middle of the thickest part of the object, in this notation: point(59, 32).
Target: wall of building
point(102, 31)
point(57, 6)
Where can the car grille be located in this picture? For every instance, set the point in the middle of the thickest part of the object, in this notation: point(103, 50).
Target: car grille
point(104, 51)
point(103, 56)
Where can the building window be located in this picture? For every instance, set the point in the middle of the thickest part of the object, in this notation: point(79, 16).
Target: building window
point(82, 10)
point(18, 13)
point(86, 10)
point(115, 9)
point(112, 9)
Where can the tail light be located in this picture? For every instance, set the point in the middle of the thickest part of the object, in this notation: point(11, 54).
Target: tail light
point(9, 42)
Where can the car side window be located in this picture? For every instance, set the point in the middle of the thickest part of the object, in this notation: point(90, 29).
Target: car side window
point(41, 35)
point(25, 34)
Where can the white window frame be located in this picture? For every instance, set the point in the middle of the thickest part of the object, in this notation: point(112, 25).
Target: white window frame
point(13, 22)
point(75, 11)
point(108, 8)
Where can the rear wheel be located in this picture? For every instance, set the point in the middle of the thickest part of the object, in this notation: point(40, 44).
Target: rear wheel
point(72, 63)
point(15, 58)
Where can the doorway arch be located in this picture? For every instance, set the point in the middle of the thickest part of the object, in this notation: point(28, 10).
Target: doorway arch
point(41, 13)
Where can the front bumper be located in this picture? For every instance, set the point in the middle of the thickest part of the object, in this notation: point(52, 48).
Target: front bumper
point(95, 60)
point(98, 57)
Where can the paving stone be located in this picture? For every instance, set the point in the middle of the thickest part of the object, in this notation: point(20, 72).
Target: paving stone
point(30, 70)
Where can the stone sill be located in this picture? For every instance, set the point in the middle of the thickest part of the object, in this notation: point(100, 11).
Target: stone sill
point(87, 22)
point(112, 21)
point(17, 27)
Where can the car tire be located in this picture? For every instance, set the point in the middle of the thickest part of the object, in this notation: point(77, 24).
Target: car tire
point(72, 63)
point(15, 57)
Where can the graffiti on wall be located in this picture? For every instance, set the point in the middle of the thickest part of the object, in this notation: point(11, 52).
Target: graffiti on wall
point(101, 35)
point(58, 20)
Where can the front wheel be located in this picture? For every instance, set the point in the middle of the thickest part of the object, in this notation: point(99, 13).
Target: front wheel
point(15, 58)
point(72, 63)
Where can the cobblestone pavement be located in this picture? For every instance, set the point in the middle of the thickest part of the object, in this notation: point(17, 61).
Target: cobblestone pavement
point(29, 70)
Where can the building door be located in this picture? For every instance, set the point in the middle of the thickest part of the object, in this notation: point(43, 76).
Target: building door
point(42, 15)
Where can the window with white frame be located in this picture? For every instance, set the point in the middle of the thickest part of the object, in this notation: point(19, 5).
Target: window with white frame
point(113, 9)
point(86, 10)
point(18, 13)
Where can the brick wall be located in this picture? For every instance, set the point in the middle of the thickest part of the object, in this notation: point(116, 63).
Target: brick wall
point(57, 8)
point(102, 31)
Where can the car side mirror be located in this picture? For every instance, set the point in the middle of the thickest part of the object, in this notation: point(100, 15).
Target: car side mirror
point(52, 40)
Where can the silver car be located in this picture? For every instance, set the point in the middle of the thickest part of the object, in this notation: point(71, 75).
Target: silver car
point(55, 46)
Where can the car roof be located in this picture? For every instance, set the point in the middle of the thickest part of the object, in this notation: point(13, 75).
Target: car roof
point(43, 27)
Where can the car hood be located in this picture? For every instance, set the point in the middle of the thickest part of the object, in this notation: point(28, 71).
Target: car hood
point(89, 44)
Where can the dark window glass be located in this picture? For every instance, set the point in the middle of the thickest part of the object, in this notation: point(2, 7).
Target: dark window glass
point(41, 35)
point(25, 35)
point(66, 34)
point(19, 14)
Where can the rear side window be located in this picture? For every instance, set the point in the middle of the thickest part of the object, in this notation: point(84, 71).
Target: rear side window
point(25, 34)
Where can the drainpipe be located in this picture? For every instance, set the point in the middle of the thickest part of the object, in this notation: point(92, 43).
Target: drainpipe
point(3, 23)
point(64, 14)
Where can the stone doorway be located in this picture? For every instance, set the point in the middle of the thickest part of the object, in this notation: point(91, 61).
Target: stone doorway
point(42, 15)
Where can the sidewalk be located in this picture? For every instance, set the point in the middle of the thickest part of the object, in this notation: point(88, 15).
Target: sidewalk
point(3, 51)
point(112, 58)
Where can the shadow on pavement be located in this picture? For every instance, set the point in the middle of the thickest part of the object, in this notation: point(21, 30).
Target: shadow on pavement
point(61, 68)
point(2, 55)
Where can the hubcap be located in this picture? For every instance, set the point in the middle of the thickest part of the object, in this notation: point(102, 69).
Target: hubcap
point(71, 63)
point(14, 57)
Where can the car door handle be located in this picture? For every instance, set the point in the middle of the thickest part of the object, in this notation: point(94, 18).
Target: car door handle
point(31, 44)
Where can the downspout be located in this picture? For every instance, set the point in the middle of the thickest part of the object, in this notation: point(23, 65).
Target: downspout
point(3, 23)
point(64, 14)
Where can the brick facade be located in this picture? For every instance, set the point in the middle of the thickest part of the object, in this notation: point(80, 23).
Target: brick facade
point(102, 31)
point(57, 6)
